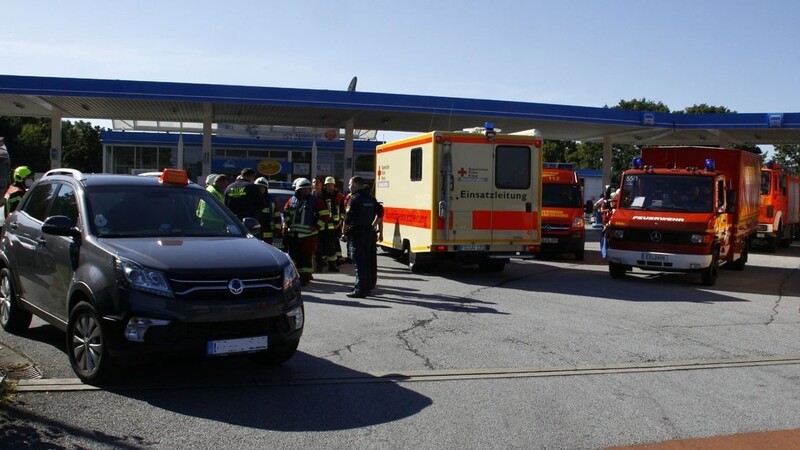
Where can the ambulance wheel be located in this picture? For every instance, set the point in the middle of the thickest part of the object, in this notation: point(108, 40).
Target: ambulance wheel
point(414, 263)
point(709, 275)
point(617, 271)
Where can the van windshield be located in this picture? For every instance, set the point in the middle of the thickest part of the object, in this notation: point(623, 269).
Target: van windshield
point(667, 193)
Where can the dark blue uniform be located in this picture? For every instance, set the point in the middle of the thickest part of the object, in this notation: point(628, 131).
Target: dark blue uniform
point(359, 215)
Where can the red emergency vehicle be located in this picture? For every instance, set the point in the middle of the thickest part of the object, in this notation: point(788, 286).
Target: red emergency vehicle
point(779, 215)
point(685, 209)
point(563, 226)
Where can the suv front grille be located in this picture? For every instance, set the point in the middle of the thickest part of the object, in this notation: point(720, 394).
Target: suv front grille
point(217, 286)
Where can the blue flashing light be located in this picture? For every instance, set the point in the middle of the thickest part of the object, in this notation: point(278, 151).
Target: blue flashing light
point(709, 165)
point(638, 162)
point(488, 126)
point(770, 164)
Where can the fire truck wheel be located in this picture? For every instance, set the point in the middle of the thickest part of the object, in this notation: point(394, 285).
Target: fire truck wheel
point(740, 263)
point(709, 274)
point(579, 255)
point(617, 271)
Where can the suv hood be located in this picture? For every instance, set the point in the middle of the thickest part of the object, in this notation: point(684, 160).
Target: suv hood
point(193, 253)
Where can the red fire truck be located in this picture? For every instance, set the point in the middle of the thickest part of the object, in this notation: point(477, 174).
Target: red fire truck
point(685, 209)
point(563, 227)
point(779, 215)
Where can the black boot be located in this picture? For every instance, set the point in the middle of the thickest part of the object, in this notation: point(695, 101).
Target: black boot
point(332, 266)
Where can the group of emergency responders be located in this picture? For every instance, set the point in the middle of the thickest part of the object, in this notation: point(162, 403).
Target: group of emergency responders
point(308, 226)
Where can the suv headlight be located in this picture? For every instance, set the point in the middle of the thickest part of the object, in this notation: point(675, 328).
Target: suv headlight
point(290, 275)
point(134, 276)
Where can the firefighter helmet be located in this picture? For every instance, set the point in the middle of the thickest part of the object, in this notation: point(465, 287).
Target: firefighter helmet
point(22, 172)
point(263, 181)
point(330, 180)
point(302, 183)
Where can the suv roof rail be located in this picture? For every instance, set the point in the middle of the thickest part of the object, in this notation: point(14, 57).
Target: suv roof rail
point(77, 174)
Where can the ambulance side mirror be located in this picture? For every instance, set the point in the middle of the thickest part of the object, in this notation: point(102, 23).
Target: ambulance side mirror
point(442, 209)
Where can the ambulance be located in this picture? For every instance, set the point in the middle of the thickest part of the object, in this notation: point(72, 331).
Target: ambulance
point(472, 196)
point(563, 226)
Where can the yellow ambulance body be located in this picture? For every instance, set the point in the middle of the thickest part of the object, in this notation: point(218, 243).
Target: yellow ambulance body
point(474, 197)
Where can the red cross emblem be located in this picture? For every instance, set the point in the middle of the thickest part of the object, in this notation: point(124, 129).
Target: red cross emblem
point(379, 172)
point(462, 172)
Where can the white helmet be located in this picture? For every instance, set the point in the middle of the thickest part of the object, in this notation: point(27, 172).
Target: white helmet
point(302, 183)
point(263, 181)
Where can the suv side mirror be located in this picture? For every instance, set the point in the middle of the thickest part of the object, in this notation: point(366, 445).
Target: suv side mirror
point(252, 226)
point(60, 226)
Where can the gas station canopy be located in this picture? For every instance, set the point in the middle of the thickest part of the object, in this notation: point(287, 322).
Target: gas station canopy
point(245, 105)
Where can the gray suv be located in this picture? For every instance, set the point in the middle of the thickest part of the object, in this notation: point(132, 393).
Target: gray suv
point(130, 265)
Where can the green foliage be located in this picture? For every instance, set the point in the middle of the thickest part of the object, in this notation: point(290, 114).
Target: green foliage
point(558, 151)
point(787, 155)
point(705, 109)
point(642, 105)
point(28, 143)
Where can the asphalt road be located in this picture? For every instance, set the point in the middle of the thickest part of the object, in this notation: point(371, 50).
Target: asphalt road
point(551, 353)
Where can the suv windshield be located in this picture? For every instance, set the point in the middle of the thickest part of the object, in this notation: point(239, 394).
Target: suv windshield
point(140, 211)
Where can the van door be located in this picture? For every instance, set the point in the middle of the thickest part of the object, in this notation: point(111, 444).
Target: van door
point(492, 194)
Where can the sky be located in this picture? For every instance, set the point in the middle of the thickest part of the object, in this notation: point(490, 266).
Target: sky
point(740, 54)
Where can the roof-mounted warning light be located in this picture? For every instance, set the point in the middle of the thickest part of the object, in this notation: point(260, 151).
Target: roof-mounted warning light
point(488, 130)
point(637, 162)
point(770, 165)
point(709, 165)
point(174, 176)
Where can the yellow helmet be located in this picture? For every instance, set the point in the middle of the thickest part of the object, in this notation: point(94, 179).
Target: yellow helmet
point(22, 172)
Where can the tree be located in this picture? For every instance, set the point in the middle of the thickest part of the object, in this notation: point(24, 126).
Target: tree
point(82, 149)
point(708, 109)
point(28, 143)
point(558, 151)
point(787, 155)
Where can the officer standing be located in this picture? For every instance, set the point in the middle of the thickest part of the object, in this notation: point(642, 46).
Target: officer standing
point(304, 215)
point(243, 197)
point(23, 179)
point(360, 215)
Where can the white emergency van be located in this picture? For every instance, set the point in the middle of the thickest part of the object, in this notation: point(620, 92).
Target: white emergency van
point(473, 196)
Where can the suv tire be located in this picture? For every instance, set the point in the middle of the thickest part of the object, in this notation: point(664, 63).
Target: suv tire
point(13, 318)
point(86, 345)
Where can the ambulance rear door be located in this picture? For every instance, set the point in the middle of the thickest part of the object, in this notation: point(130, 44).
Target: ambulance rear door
point(494, 198)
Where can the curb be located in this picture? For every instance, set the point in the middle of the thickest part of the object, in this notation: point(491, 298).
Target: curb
point(15, 366)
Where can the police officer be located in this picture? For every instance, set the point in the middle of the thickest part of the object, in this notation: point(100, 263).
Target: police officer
point(23, 179)
point(359, 219)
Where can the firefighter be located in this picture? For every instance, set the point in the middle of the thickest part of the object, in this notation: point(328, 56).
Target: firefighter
point(359, 231)
point(216, 186)
point(304, 215)
point(23, 179)
point(271, 223)
point(329, 236)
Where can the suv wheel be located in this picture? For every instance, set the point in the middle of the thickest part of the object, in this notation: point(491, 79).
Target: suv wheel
point(86, 347)
point(12, 317)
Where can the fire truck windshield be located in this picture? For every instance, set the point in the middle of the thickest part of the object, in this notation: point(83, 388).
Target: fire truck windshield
point(667, 193)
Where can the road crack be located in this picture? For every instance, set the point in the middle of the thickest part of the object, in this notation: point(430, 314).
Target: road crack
point(403, 336)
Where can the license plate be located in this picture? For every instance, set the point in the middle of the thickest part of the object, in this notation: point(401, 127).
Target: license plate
point(760, 235)
point(549, 240)
point(472, 248)
point(243, 345)
point(654, 257)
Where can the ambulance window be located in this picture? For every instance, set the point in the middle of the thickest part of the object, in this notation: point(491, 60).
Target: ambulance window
point(416, 164)
point(512, 167)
